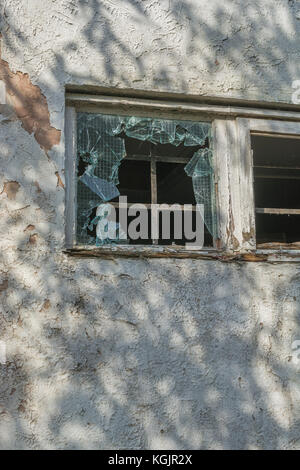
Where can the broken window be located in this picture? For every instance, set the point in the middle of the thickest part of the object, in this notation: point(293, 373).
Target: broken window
point(276, 162)
point(148, 160)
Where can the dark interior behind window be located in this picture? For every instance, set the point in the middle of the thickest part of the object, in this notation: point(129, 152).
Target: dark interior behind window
point(276, 167)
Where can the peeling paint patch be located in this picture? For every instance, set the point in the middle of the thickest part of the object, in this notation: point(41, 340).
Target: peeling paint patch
point(46, 305)
point(38, 188)
point(11, 188)
point(4, 285)
point(33, 239)
point(30, 106)
point(2, 352)
point(247, 236)
point(29, 228)
point(7, 113)
point(59, 181)
point(22, 406)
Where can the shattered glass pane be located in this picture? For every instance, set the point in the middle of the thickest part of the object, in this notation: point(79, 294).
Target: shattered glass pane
point(104, 189)
point(201, 170)
point(101, 149)
point(99, 155)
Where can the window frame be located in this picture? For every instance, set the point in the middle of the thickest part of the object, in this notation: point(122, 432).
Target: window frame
point(269, 128)
point(233, 172)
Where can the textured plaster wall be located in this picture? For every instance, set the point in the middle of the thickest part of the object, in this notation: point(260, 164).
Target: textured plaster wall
point(136, 353)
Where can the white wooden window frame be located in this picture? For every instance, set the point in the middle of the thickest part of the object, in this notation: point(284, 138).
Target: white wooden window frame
point(233, 169)
point(264, 127)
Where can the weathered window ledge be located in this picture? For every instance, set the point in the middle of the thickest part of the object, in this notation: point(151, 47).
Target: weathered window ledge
point(180, 252)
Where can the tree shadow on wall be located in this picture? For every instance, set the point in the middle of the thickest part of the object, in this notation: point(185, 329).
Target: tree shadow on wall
point(141, 353)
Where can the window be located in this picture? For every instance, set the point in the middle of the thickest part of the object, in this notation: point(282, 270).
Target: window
point(242, 164)
point(148, 161)
point(276, 163)
point(275, 190)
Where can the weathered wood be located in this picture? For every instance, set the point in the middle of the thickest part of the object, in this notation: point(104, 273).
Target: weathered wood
point(276, 135)
point(70, 172)
point(149, 251)
point(245, 187)
point(278, 177)
point(188, 111)
point(261, 255)
point(277, 167)
point(153, 182)
point(171, 207)
point(278, 246)
point(271, 210)
point(235, 161)
point(157, 158)
point(153, 191)
point(220, 162)
point(274, 127)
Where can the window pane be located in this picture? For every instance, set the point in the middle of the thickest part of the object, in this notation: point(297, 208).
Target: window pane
point(173, 184)
point(277, 228)
point(276, 162)
point(276, 151)
point(134, 177)
point(114, 159)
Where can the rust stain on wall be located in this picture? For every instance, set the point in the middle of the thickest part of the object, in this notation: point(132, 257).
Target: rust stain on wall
point(30, 106)
point(11, 188)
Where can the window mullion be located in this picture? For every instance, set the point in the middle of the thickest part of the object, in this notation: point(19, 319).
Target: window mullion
point(153, 185)
point(70, 167)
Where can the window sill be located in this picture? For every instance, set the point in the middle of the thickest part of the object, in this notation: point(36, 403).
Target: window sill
point(143, 251)
point(278, 246)
point(146, 251)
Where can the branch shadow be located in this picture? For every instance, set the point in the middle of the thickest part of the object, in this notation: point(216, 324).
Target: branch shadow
point(142, 353)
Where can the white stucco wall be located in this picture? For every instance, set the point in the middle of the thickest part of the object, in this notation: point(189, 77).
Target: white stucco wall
point(139, 353)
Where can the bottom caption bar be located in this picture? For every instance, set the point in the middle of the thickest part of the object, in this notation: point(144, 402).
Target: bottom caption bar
point(141, 459)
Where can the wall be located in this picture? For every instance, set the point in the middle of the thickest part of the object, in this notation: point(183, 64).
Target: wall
point(136, 353)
